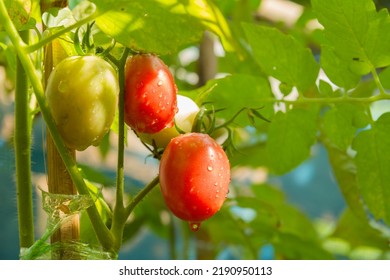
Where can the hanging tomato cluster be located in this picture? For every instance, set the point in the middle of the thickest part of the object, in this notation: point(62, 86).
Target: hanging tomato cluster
point(194, 169)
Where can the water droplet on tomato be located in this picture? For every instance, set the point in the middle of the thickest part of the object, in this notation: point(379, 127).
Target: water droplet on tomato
point(159, 83)
point(209, 168)
point(63, 86)
point(194, 226)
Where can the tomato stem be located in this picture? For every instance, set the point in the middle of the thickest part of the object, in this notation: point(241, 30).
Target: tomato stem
point(119, 215)
point(130, 207)
point(121, 131)
point(330, 100)
point(22, 140)
point(382, 91)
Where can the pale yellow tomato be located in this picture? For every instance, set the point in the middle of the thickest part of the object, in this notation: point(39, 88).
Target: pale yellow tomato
point(184, 119)
point(82, 93)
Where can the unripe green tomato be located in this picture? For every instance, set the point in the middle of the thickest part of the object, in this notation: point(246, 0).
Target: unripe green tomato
point(82, 93)
point(184, 119)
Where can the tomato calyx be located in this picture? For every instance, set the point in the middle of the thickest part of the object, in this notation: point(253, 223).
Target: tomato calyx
point(222, 130)
point(206, 121)
point(87, 46)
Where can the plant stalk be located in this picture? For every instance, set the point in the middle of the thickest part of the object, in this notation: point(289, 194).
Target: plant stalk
point(119, 216)
point(22, 143)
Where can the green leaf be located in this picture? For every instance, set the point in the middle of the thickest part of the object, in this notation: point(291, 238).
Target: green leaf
point(105, 145)
point(384, 77)
point(19, 12)
point(235, 92)
point(8, 59)
point(58, 17)
point(148, 25)
point(290, 138)
point(293, 247)
point(336, 69)
point(373, 165)
point(289, 218)
point(223, 219)
point(282, 57)
point(132, 228)
point(213, 19)
point(95, 175)
point(357, 33)
point(358, 232)
point(162, 26)
point(344, 170)
point(269, 193)
point(338, 124)
point(250, 155)
point(325, 88)
point(151, 211)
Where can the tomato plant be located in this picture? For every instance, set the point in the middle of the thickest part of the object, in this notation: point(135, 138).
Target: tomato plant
point(194, 177)
point(82, 93)
point(150, 94)
point(297, 103)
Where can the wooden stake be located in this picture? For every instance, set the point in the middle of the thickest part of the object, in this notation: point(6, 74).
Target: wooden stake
point(60, 183)
point(59, 180)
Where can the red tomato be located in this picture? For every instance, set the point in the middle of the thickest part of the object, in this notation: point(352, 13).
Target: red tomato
point(150, 94)
point(194, 177)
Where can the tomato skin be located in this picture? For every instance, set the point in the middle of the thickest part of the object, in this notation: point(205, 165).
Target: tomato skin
point(150, 94)
point(82, 93)
point(184, 119)
point(194, 176)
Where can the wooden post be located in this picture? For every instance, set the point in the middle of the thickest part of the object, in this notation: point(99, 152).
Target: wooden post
point(59, 180)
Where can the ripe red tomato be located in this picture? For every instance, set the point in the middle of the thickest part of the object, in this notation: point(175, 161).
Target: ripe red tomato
point(82, 92)
point(194, 177)
point(150, 94)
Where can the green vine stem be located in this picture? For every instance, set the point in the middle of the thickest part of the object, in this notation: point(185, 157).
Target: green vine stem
point(119, 217)
point(104, 235)
point(330, 100)
point(382, 91)
point(59, 33)
point(121, 130)
point(22, 141)
point(137, 199)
